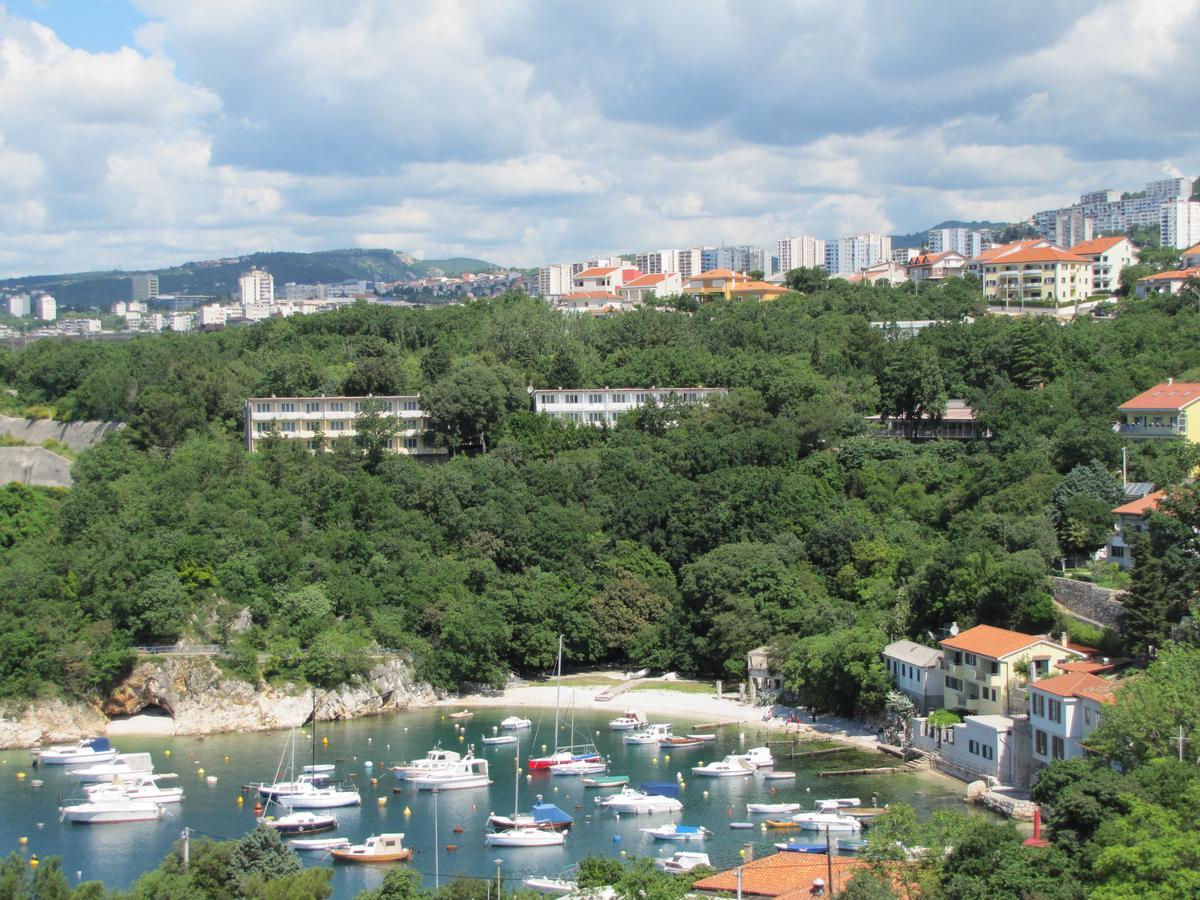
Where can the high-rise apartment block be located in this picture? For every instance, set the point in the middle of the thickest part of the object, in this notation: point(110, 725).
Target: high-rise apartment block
point(19, 305)
point(45, 307)
point(1110, 212)
point(1179, 224)
point(144, 287)
point(961, 240)
point(257, 288)
point(801, 252)
point(855, 252)
point(555, 280)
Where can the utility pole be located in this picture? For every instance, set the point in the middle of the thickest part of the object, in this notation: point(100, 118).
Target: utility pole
point(185, 850)
point(437, 878)
point(497, 862)
point(829, 861)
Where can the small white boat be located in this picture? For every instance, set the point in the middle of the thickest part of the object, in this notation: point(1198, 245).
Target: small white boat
point(302, 785)
point(435, 760)
point(731, 766)
point(580, 768)
point(300, 823)
point(651, 734)
point(499, 739)
point(318, 769)
point(309, 845)
point(827, 817)
point(112, 812)
point(123, 766)
point(839, 802)
point(682, 861)
point(772, 808)
point(319, 798)
point(628, 800)
point(378, 848)
point(525, 837)
point(461, 714)
point(515, 722)
point(142, 787)
point(778, 776)
point(88, 750)
point(703, 737)
point(556, 887)
point(673, 832)
point(627, 721)
point(759, 757)
point(741, 826)
point(466, 773)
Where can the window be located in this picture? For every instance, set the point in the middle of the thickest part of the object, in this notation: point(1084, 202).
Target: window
point(1039, 742)
point(641, 398)
point(618, 398)
point(411, 406)
point(337, 426)
point(358, 406)
point(1054, 711)
point(973, 747)
point(410, 443)
point(287, 426)
point(1058, 748)
point(994, 667)
point(1038, 703)
point(596, 417)
point(312, 407)
point(314, 445)
point(955, 684)
point(548, 399)
point(970, 659)
point(262, 407)
point(337, 407)
point(287, 407)
point(987, 752)
point(595, 398)
point(957, 658)
point(261, 427)
point(570, 398)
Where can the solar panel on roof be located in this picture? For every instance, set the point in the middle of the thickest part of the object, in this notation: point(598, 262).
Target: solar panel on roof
point(1136, 489)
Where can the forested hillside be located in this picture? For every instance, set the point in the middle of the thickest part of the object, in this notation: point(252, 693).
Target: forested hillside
point(680, 539)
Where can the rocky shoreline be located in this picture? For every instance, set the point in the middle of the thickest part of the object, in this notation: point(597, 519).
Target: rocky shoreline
point(201, 699)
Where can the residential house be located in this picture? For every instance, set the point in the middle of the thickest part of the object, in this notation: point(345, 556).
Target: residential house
point(660, 285)
point(980, 665)
point(730, 285)
point(593, 302)
point(888, 270)
point(1059, 719)
point(981, 746)
point(604, 278)
point(1163, 411)
point(1109, 256)
point(1190, 258)
point(761, 676)
point(602, 406)
point(1171, 282)
point(936, 266)
point(320, 420)
point(917, 672)
point(787, 875)
point(1044, 275)
point(957, 423)
point(1131, 521)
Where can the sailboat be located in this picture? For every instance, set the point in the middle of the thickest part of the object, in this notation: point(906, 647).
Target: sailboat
point(523, 833)
point(570, 752)
point(543, 815)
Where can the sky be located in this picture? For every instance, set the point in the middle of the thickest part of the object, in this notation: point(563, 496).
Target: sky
point(144, 133)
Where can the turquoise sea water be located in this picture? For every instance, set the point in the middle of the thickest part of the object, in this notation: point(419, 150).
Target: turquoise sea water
point(117, 854)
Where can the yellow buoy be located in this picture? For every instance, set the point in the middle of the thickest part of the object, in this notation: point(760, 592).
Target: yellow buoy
point(682, 784)
point(22, 840)
point(654, 761)
point(666, 757)
point(383, 801)
point(167, 752)
point(33, 860)
point(227, 759)
point(200, 771)
point(407, 811)
point(325, 741)
point(461, 737)
point(742, 853)
point(622, 852)
point(20, 776)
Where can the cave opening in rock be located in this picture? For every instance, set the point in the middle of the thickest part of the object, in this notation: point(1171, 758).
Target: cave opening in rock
point(150, 710)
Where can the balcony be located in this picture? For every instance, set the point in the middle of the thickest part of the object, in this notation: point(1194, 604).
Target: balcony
point(1151, 431)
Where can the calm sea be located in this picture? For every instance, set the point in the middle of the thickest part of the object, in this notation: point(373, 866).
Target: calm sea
point(117, 854)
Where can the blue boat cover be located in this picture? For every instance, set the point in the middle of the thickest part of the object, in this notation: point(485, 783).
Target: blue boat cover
point(687, 829)
point(661, 788)
point(548, 812)
point(805, 848)
point(100, 744)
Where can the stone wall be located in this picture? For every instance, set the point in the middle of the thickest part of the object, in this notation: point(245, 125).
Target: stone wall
point(1100, 606)
point(34, 465)
point(78, 436)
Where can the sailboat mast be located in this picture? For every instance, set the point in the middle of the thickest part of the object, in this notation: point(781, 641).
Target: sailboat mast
point(557, 692)
point(313, 726)
point(517, 781)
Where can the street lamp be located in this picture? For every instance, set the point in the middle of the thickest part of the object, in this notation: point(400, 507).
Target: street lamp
point(497, 862)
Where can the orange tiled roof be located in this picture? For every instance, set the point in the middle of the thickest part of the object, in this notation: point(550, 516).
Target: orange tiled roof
point(1170, 395)
point(1097, 245)
point(1174, 275)
point(1040, 254)
point(588, 295)
point(1092, 666)
point(1191, 251)
point(783, 874)
point(1070, 684)
point(992, 253)
point(987, 640)
point(1101, 693)
point(644, 281)
point(755, 287)
point(1141, 505)
point(721, 273)
point(596, 273)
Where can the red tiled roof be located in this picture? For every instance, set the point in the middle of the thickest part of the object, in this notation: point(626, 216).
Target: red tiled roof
point(1097, 245)
point(1173, 396)
point(1070, 684)
point(781, 874)
point(993, 253)
point(1174, 275)
point(1092, 666)
point(720, 273)
point(596, 273)
point(1141, 505)
point(644, 281)
point(1040, 254)
point(1101, 693)
point(588, 295)
point(989, 641)
point(754, 287)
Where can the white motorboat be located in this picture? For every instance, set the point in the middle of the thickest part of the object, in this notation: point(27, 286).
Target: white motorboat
point(827, 818)
point(683, 861)
point(839, 802)
point(731, 766)
point(555, 887)
point(466, 773)
point(123, 766)
point(302, 785)
point(515, 722)
point(628, 800)
point(112, 812)
point(330, 797)
point(319, 844)
point(499, 739)
point(651, 734)
point(627, 721)
point(141, 787)
point(703, 737)
point(759, 757)
point(525, 837)
point(580, 767)
point(300, 823)
point(88, 750)
point(318, 769)
point(378, 848)
point(673, 832)
point(435, 760)
point(772, 808)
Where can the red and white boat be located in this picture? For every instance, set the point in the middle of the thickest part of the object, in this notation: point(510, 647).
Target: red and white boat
point(563, 754)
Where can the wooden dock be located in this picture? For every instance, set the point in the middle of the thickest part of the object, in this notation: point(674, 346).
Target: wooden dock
point(697, 729)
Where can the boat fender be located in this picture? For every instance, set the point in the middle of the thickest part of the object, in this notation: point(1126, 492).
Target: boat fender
point(616, 839)
point(451, 847)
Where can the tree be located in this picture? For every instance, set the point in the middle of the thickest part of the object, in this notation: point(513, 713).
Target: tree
point(398, 884)
point(806, 280)
point(913, 387)
point(261, 852)
point(840, 672)
point(465, 406)
point(375, 431)
point(1166, 572)
point(379, 375)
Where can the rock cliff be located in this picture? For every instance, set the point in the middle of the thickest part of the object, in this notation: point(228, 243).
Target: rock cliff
point(201, 699)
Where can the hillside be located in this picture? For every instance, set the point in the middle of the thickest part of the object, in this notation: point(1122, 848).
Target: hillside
point(917, 238)
point(219, 277)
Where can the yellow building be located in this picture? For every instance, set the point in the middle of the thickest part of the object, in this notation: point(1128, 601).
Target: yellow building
point(980, 665)
point(730, 285)
point(1037, 275)
point(1163, 412)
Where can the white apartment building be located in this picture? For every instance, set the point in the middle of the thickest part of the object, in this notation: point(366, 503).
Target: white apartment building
point(962, 240)
point(554, 280)
point(19, 305)
point(602, 406)
point(144, 287)
point(79, 326)
point(651, 261)
point(45, 308)
point(154, 321)
point(801, 252)
point(334, 418)
point(181, 321)
point(851, 254)
point(744, 258)
point(1071, 227)
point(1110, 213)
point(1109, 256)
point(661, 285)
point(1063, 711)
point(212, 314)
point(257, 287)
point(1179, 224)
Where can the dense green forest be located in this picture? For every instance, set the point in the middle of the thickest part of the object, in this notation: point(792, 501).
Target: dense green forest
point(679, 539)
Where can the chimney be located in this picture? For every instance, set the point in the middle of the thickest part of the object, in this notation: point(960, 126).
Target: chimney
point(1062, 638)
point(1171, 380)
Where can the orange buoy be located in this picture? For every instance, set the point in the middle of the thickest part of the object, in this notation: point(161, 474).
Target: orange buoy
point(458, 829)
point(452, 847)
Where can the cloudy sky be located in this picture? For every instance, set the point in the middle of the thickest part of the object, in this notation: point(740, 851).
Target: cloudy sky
point(138, 133)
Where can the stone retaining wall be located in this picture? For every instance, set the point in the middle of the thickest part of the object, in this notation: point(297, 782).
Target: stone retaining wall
point(1101, 606)
point(78, 436)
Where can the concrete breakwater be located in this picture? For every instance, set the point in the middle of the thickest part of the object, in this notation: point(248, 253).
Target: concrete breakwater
point(193, 696)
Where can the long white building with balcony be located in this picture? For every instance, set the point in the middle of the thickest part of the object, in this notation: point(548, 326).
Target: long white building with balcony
point(319, 421)
point(1162, 412)
point(602, 406)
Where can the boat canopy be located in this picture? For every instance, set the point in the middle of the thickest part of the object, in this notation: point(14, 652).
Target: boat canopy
point(687, 829)
point(548, 812)
point(100, 744)
point(660, 788)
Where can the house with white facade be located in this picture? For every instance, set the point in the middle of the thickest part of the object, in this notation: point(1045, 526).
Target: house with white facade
point(916, 671)
point(1171, 282)
point(602, 406)
point(1059, 717)
point(319, 421)
point(979, 747)
point(937, 266)
point(1190, 258)
point(1131, 521)
point(660, 285)
point(980, 667)
point(604, 278)
point(762, 678)
point(1109, 256)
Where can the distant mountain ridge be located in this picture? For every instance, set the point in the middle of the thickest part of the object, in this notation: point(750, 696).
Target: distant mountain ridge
point(219, 277)
point(917, 238)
